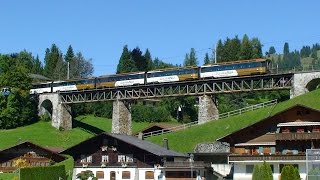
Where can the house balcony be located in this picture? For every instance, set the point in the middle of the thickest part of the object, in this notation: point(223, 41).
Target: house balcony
point(297, 136)
point(186, 164)
point(272, 157)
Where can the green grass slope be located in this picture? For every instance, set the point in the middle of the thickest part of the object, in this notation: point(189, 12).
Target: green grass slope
point(186, 140)
point(43, 134)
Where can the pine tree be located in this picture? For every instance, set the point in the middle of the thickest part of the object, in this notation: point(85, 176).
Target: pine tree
point(265, 172)
point(54, 66)
point(126, 64)
point(256, 48)
point(206, 59)
point(246, 48)
point(232, 49)
point(148, 59)
point(140, 61)
point(220, 51)
point(272, 50)
point(191, 59)
point(69, 57)
point(256, 173)
point(37, 66)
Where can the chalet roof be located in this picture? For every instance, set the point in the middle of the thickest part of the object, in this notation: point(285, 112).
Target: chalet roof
point(289, 108)
point(53, 155)
point(298, 123)
point(266, 139)
point(146, 145)
point(132, 140)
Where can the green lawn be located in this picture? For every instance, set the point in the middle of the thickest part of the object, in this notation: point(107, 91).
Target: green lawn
point(7, 176)
point(186, 140)
point(43, 134)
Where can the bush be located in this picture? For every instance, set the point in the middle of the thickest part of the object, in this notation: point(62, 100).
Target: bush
point(290, 173)
point(263, 172)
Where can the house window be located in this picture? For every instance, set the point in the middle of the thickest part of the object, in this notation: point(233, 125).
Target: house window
point(125, 158)
point(104, 158)
point(83, 158)
point(129, 158)
point(86, 159)
point(149, 175)
point(121, 158)
point(125, 174)
point(89, 159)
point(249, 169)
point(100, 174)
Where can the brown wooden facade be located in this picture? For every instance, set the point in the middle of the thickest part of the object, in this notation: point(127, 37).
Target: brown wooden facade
point(265, 140)
point(32, 154)
point(106, 151)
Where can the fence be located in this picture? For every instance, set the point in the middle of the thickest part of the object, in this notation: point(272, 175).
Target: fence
point(221, 116)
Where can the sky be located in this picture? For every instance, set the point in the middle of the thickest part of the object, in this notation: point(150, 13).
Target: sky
point(168, 28)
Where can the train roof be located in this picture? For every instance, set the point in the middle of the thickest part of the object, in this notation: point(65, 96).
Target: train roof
point(236, 62)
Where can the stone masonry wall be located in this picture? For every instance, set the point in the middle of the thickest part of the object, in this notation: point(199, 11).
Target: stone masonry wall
point(207, 110)
point(121, 118)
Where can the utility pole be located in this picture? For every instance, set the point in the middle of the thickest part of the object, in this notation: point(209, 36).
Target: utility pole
point(68, 75)
point(215, 53)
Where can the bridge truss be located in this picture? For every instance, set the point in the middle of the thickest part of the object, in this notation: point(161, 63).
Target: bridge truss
point(185, 88)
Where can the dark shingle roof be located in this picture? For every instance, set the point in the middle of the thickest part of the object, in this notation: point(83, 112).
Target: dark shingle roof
point(147, 146)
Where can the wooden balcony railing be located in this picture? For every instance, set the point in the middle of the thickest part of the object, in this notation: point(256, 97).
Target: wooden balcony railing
point(237, 157)
point(297, 136)
point(182, 164)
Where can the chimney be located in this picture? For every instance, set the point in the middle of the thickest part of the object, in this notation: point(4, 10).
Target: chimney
point(165, 143)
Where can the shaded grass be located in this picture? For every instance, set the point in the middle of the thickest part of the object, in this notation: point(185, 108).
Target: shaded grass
point(43, 134)
point(186, 140)
point(7, 176)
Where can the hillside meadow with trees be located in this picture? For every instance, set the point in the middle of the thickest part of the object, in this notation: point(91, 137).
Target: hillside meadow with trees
point(18, 108)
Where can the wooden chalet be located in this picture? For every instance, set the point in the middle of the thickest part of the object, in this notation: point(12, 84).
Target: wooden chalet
point(33, 155)
point(279, 140)
point(117, 157)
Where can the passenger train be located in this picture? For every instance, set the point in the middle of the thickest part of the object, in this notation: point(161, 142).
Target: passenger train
point(219, 70)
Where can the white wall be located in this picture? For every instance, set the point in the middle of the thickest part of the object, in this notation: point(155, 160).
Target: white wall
point(118, 171)
point(240, 170)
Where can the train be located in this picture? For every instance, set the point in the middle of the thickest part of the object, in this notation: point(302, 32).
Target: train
point(219, 70)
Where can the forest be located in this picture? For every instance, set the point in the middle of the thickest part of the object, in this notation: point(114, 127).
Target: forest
point(18, 108)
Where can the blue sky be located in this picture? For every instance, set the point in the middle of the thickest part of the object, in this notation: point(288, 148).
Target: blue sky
point(169, 28)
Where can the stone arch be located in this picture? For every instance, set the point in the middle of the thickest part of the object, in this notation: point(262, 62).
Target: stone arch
point(313, 84)
point(304, 82)
point(60, 113)
point(45, 107)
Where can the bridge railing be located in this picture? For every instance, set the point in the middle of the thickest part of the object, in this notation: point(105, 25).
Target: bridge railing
point(297, 69)
point(221, 116)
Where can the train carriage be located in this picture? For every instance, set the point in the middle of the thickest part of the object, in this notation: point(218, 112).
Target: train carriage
point(226, 69)
point(172, 75)
point(236, 68)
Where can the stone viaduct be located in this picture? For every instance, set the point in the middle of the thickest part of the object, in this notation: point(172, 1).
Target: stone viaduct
point(121, 117)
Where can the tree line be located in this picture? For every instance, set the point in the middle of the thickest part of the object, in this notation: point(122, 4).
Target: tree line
point(17, 107)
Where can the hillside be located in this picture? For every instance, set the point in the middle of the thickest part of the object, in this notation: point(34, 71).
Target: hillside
point(185, 141)
point(44, 134)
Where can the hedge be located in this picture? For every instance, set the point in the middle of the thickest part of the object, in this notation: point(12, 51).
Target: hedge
point(69, 164)
point(43, 173)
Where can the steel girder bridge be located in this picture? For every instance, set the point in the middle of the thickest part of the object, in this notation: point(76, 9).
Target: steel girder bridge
point(184, 88)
